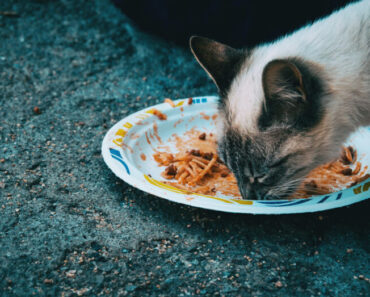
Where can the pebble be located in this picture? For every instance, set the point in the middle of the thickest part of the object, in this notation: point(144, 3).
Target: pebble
point(278, 284)
point(71, 273)
point(130, 288)
point(36, 110)
point(48, 281)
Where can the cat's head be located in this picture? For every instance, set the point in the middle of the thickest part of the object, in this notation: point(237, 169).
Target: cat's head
point(274, 126)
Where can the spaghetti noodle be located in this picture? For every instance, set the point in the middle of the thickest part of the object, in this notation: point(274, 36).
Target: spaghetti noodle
point(201, 171)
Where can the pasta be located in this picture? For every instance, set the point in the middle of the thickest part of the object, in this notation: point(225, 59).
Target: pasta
point(198, 172)
point(197, 168)
point(161, 116)
point(344, 172)
point(170, 102)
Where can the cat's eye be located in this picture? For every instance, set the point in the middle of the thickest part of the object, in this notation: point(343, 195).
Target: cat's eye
point(279, 162)
point(259, 179)
point(262, 179)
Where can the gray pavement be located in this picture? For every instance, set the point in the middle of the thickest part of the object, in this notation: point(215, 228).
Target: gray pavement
point(68, 227)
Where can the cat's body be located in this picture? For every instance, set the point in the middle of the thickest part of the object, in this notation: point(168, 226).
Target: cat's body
point(288, 106)
point(340, 44)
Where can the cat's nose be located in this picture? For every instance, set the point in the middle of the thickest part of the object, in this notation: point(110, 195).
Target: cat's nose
point(254, 194)
point(250, 192)
point(243, 189)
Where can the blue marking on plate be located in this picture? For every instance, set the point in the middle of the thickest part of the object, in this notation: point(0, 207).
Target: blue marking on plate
point(115, 152)
point(324, 199)
point(284, 203)
point(204, 100)
point(117, 156)
point(339, 196)
point(123, 163)
point(293, 203)
point(274, 202)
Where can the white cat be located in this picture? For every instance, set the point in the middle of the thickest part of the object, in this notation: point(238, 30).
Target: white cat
point(287, 106)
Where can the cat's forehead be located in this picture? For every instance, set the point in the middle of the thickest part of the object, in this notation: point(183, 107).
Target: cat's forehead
point(256, 143)
point(266, 145)
point(245, 99)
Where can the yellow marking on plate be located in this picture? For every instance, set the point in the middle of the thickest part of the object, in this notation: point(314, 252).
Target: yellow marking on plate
point(127, 125)
point(164, 186)
point(150, 111)
point(357, 190)
point(117, 141)
point(142, 116)
point(366, 187)
point(244, 202)
point(213, 197)
point(177, 190)
point(179, 104)
point(121, 132)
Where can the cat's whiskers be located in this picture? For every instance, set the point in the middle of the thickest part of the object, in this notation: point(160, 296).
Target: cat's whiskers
point(288, 187)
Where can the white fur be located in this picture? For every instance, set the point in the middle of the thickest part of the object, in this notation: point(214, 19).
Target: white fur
point(340, 44)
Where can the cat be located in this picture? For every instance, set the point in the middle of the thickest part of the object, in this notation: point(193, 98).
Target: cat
point(287, 106)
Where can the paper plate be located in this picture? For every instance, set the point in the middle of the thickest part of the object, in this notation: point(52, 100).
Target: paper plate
point(127, 149)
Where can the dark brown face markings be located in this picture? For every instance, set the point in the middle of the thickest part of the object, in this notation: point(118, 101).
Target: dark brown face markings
point(221, 62)
point(256, 162)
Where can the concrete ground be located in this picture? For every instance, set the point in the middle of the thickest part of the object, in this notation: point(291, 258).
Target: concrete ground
point(68, 227)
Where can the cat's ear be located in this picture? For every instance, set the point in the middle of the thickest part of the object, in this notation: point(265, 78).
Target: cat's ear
point(291, 93)
point(282, 80)
point(220, 61)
